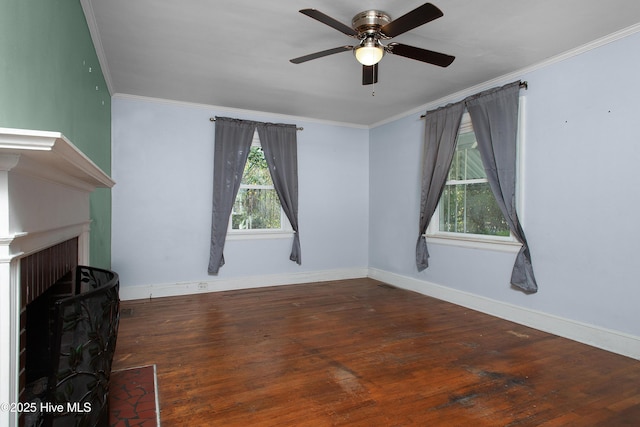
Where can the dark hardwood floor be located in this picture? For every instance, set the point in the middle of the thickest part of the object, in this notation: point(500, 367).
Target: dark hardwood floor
point(362, 353)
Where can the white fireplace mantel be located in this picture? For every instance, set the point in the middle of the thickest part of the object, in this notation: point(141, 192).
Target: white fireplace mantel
point(50, 155)
point(45, 184)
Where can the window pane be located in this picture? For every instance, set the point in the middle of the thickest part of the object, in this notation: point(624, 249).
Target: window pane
point(256, 209)
point(471, 208)
point(255, 170)
point(467, 163)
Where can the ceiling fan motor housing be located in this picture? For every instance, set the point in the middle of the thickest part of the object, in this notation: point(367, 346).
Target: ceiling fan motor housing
point(369, 22)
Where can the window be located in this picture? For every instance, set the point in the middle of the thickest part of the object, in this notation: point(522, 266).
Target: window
point(257, 206)
point(467, 209)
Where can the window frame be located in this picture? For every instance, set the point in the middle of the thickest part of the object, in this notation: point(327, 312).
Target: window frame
point(482, 241)
point(285, 229)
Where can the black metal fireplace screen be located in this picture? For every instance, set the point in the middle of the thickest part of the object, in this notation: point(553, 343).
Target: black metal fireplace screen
point(83, 316)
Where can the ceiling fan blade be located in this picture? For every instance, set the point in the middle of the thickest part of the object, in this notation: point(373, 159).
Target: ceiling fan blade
point(419, 54)
point(320, 54)
point(369, 74)
point(419, 16)
point(327, 20)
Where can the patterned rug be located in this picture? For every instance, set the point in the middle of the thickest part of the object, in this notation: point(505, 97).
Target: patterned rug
point(133, 398)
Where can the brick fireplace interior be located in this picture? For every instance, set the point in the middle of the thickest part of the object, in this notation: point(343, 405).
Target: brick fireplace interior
point(39, 273)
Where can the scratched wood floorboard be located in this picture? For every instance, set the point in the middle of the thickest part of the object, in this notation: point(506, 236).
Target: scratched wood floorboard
point(362, 353)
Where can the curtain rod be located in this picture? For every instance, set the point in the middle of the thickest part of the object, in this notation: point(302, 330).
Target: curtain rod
point(213, 119)
point(523, 85)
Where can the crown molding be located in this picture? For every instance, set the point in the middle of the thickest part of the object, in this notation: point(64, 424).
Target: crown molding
point(90, 17)
point(218, 109)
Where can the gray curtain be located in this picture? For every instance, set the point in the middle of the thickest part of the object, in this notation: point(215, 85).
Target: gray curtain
point(441, 132)
point(232, 145)
point(494, 115)
point(279, 143)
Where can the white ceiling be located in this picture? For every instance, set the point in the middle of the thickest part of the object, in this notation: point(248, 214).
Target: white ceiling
point(235, 53)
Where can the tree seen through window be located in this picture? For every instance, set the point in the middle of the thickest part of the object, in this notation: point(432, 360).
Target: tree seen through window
point(257, 205)
point(467, 204)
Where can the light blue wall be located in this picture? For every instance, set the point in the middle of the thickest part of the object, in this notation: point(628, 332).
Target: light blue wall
point(163, 163)
point(581, 201)
point(360, 195)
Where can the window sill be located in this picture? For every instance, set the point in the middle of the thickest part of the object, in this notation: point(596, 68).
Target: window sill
point(259, 234)
point(511, 246)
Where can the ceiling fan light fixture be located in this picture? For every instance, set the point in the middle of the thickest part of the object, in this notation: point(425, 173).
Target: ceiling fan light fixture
point(369, 52)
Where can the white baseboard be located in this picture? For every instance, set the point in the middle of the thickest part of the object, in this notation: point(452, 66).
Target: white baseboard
point(216, 284)
point(606, 339)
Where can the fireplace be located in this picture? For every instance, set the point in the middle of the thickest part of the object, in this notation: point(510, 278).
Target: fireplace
point(70, 339)
point(45, 276)
point(45, 184)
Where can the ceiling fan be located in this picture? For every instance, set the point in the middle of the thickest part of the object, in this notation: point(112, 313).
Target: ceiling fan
point(372, 26)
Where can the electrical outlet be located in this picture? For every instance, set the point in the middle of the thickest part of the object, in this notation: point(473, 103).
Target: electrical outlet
point(203, 286)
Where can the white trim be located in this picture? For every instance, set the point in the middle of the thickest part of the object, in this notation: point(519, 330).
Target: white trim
point(606, 339)
point(157, 394)
point(234, 283)
point(259, 234)
point(257, 187)
point(26, 243)
point(50, 156)
point(90, 17)
point(475, 241)
point(9, 336)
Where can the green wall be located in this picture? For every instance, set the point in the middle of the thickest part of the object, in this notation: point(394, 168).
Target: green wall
point(50, 79)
